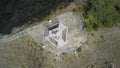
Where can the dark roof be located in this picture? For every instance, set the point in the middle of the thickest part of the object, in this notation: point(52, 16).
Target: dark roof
point(46, 33)
point(53, 27)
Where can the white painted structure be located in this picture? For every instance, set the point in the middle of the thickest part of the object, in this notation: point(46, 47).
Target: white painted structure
point(56, 34)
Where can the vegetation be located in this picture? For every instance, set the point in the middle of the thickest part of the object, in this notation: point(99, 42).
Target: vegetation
point(17, 13)
point(79, 49)
point(24, 52)
point(99, 14)
point(64, 53)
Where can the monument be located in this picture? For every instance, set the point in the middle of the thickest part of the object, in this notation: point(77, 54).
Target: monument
point(64, 33)
point(56, 34)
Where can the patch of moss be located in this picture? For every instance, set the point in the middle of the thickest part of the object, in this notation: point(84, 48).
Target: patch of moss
point(79, 49)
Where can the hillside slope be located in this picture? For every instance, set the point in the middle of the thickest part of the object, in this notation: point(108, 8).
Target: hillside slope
point(101, 50)
point(20, 14)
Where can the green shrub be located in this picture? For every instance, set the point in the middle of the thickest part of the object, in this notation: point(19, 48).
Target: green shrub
point(64, 53)
point(79, 49)
point(99, 14)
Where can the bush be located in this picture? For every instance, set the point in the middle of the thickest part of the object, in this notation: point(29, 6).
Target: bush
point(99, 14)
point(79, 49)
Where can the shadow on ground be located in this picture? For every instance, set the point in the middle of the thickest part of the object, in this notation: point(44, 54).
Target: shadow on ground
point(15, 13)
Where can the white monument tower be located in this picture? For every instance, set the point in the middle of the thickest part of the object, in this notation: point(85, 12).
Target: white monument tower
point(56, 34)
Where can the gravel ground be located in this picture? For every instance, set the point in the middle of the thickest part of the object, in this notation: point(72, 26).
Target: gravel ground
point(102, 50)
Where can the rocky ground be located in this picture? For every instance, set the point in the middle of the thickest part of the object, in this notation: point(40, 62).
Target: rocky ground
point(25, 53)
point(102, 50)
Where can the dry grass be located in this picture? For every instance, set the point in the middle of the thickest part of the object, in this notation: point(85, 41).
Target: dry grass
point(102, 51)
point(25, 53)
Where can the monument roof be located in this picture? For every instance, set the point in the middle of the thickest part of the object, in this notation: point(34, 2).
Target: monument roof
point(56, 34)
